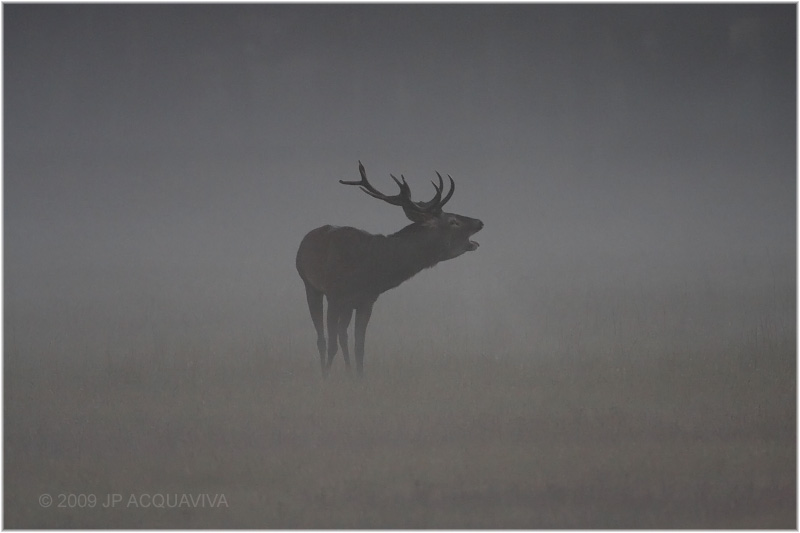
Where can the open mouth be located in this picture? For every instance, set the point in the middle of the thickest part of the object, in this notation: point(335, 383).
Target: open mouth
point(472, 245)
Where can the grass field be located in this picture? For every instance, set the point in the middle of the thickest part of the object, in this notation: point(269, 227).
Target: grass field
point(620, 352)
point(458, 441)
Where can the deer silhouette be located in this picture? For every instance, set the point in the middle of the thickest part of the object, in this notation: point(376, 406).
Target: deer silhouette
point(351, 267)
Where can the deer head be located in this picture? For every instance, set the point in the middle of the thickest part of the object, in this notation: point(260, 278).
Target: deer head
point(449, 233)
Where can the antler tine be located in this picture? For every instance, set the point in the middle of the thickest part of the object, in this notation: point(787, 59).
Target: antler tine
point(449, 193)
point(439, 188)
point(363, 177)
point(404, 187)
point(433, 204)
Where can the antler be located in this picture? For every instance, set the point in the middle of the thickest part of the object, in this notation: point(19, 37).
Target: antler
point(411, 208)
point(402, 199)
point(437, 203)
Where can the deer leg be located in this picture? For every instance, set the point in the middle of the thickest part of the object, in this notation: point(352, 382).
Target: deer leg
point(314, 298)
point(362, 319)
point(344, 323)
point(334, 311)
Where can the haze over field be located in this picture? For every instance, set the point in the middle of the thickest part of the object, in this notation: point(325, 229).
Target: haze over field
point(620, 351)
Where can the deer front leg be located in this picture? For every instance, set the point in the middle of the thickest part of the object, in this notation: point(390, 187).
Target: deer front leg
point(362, 319)
point(344, 322)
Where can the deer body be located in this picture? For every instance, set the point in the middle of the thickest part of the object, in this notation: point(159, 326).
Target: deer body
point(351, 267)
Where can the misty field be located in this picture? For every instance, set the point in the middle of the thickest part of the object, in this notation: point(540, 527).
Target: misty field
point(621, 351)
point(629, 434)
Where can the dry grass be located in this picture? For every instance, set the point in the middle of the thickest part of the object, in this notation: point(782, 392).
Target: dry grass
point(680, 440)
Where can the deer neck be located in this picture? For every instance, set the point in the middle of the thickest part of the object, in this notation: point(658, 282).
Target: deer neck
point(405, 253)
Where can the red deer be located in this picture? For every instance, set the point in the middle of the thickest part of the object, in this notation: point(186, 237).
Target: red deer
point(352, 267)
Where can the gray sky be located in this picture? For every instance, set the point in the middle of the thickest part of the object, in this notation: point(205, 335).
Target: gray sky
point(177, 154)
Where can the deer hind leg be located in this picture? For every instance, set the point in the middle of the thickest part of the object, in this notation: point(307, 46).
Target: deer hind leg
point(344, 323)
point(314, 298)
point(334, 311)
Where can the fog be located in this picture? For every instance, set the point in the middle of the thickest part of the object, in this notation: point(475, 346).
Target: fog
point(635, 168)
